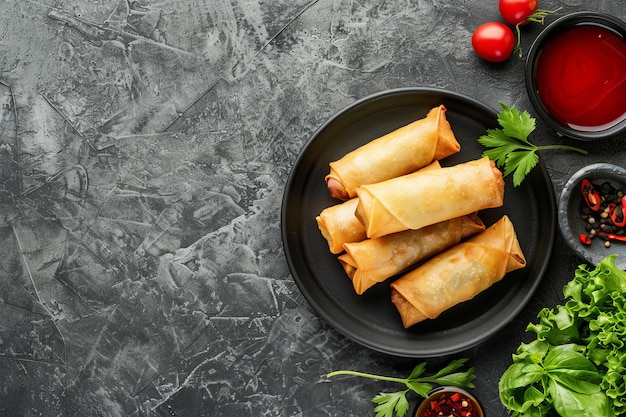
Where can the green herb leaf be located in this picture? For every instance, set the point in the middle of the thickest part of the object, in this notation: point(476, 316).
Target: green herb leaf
point(572, 370)
point(449, 368)
point(575, 366)
point(520, 163)
point(514, 124)
point(390, 402)
point(501, 144)
point(421, 388)
point(572, 403)
point(417, 371)
point(520, 375)
point(509, 147)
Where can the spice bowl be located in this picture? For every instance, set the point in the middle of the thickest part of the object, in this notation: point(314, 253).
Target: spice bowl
point(449, 401)
point(587, 230)
point(576, 75)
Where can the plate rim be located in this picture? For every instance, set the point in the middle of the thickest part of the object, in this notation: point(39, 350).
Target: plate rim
point(316, 304)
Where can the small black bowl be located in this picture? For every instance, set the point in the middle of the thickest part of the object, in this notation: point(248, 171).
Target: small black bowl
point(570, 208)
point(603, 20)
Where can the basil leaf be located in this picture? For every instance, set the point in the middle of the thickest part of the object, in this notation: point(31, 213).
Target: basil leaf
point(525, 402)
point(520, 375)
point(577, 381)
point(573, 404)
point(565, 357)
point(534, 397)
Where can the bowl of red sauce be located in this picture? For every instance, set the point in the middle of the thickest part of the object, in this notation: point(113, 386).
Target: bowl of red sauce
point(449, 402)
point(576, 75)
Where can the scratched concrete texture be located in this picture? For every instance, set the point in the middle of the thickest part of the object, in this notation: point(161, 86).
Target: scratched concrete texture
point(144, 148)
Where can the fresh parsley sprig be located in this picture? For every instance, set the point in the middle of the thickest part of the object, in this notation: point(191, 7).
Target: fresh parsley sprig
point(510, 147)
point(390, 402)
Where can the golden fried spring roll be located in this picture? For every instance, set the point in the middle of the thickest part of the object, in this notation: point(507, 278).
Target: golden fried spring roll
point(400, 152)
point(457, 274)
point(374, 260)
point(423, 198)
point(339, 224)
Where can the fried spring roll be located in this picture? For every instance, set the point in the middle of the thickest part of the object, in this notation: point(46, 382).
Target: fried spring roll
point(374, 260)
point(423, 198)
point(339, 224)
point(400, 152)
point(457, 274)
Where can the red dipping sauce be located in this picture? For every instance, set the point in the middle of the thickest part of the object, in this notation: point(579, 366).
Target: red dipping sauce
point(581, 77)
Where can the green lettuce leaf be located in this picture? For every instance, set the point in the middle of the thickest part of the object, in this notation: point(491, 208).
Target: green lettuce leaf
point(576, 366)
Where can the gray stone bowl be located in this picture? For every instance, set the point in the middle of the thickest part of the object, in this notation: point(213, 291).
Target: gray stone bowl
point(569, 214)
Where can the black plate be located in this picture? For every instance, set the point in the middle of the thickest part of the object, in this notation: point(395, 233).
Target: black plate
point(371, 319)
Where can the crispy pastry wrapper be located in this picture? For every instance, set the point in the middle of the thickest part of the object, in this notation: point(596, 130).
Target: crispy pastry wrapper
point(458, 274)
point(374, 260)
point(423, 198)
point(339, 224)
point(400, 152)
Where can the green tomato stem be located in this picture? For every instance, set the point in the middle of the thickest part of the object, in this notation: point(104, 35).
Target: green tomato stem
point(539, 16)
point(518, 42)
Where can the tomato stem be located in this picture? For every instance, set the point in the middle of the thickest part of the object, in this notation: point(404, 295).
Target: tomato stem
point(539, 16)
point(518, 42)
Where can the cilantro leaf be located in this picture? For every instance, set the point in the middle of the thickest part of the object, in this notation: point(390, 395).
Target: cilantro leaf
point(509, 147)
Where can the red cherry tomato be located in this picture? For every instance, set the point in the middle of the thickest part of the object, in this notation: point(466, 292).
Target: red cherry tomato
point(493, 41)
point(517, 11)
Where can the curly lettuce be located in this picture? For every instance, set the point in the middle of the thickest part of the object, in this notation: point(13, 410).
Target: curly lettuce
point(575, 367)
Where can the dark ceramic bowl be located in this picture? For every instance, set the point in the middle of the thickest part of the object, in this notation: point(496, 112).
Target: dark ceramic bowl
point(572, 224)
point(443, 394)
point(556, 28)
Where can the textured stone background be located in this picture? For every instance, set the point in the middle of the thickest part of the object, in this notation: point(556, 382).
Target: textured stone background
point(144, 147)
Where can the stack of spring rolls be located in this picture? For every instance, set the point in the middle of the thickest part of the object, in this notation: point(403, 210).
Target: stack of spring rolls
point(402, 211)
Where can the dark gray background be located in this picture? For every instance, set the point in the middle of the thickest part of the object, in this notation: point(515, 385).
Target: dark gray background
point(144, 149)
